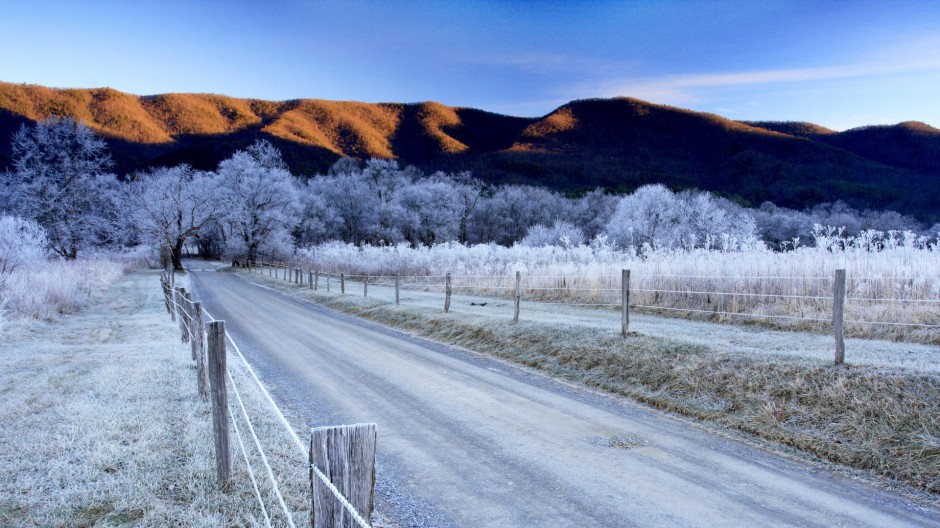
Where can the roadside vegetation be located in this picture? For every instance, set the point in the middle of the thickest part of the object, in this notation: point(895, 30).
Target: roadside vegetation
point(880, 420)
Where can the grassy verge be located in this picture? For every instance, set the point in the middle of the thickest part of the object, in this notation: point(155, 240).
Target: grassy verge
point(875, 419)
point(103, 425)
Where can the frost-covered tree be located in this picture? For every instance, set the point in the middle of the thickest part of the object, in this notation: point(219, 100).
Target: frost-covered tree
point(657, 217)
point(592, 212)
point(343, 206)
point(432, 211)
point(648, 216)
point(507, 215)
point(60, 178)
point(173, 205)
point(468, 191)
point(386, 183)
point(260, 200)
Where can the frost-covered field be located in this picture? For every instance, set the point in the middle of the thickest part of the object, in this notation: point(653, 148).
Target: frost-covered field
point(103, 425)
point(893, 283)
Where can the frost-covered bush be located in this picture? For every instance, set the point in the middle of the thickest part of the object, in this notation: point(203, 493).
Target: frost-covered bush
point(561, 233)
point(50, 288)
point(22, 242)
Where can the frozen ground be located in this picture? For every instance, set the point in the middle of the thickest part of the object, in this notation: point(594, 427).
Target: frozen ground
point(102, 425)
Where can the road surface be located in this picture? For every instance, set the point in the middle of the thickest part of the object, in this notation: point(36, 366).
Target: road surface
point(468, 441)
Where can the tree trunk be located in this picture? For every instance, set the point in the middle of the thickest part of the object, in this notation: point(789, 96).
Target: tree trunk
point(177, 256)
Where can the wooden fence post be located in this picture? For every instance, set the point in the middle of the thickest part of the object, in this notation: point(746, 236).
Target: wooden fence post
point(316, 280)
point(220, 417)
point(838, 314)
point(165, 284)
point(365, 285)
point(447, 291)
point(188, 323)
point(515, 317)
point(310, 280)
point(172, 299)
point(327, 282)
point(345, 455)
point(397, 282)
point(625, 300)
point(342, 283)
point(199, 350)
point(181, 315)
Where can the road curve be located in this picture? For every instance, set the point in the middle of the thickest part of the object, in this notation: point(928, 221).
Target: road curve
point(468, 441)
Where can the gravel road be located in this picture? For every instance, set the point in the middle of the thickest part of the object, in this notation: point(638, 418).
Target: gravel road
point(467, 441)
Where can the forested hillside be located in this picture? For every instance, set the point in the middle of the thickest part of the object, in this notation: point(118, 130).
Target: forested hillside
point(620, 144)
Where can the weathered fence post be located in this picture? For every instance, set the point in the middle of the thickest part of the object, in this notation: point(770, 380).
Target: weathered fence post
point(316, 280)
point(199, 350)
point(365, 285)
point(310, 279)
point(625, 300)
point(328, 282)
point(187, 309)
point(172, 299)
point(838, 314)
point(515, 317)
point(165, 283)
point(344, 455)
point(342, 283)
point(397, 281)
point(447, 290)
point(181, 315)
point(220, 417)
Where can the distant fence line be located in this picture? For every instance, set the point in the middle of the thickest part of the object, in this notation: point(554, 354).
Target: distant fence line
point(800, 303)
point(341, 459)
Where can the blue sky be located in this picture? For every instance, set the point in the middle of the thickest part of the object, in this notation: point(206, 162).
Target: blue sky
point(840, 64)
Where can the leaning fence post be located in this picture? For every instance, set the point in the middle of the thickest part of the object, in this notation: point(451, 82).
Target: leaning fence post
point(625, 300)
point(838, 314)
point(316, 279)
point(397, 280)
point(342, 283)
point(199, 350)
point(515, 317)
point(344, 456)
point(310, 280)
point(220, 418)
point(447, 291)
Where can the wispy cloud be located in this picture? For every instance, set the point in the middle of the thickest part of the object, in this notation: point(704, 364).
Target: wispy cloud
point(687, 88)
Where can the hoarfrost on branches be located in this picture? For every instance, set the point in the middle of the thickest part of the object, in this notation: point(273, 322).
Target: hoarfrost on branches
point(60, 179)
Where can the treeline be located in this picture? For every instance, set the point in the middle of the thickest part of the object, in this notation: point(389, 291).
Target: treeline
point(252, 206)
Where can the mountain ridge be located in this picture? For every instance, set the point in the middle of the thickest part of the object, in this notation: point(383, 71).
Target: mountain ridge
point(619, 143)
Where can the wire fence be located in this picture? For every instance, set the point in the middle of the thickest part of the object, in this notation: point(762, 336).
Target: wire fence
point(180, 305)
point(901, 307)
